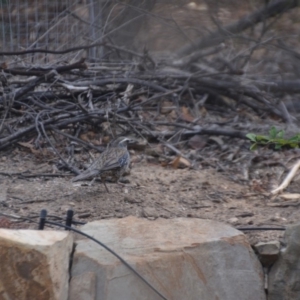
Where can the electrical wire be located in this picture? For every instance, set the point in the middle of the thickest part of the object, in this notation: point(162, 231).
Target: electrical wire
point(45, 221)
point(112, 252)
point(260, 228)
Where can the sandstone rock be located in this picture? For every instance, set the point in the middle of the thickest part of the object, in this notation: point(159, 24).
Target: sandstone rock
point(34, 264)
point(83, 287)
point(268, 252)
point(183, 258)
point(284, 276)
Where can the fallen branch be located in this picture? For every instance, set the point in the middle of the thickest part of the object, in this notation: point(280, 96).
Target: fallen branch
point(288, 178)
point(272, 9)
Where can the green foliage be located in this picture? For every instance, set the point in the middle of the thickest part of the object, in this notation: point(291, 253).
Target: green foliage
point(275, 139)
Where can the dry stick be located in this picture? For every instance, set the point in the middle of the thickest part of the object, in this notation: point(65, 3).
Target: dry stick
point(289, 86)
point(66, 120)
point(224, 87)
point(37, 128)
point(74, 49)
point(287, 116)
point(71, 152)
point(120, 80)
point(7, 104)
point(71, 168)
point(219, 36)
point(288, 178)
point(199, 130)
point(73, 138)
point(39, 72)
point(282, 45)
point(20, 92)
point(52, 109)
point(13, 53)
point(60, 121)
point(221, 85)
point(264, 30)
point(18, 217)
point(174, 149)
point(133, 127)
point(173, 124)
point(45, 175)
point(133, 105)
point(187, 60)
point(6, 141)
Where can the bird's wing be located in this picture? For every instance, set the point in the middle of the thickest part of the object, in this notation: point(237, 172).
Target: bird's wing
point(108, 160)
point(86, 175)
point(114, 159)
point(93, 169)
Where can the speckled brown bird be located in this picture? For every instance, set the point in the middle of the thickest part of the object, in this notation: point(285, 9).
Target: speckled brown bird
point(112, 162)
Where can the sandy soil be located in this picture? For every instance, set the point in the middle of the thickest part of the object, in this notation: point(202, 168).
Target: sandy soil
point(151, 191)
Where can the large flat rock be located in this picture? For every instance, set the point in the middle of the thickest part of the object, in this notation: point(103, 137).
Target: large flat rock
point(183, 258)
point(34, 264)
point(284, 276)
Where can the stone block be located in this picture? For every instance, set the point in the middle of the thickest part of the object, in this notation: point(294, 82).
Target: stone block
point(34, 264)
point(183, 258)
point(268, 252)
point(284, 276)
point(83, 287)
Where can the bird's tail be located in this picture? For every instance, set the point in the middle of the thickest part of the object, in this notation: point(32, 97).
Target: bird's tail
point(87, 174)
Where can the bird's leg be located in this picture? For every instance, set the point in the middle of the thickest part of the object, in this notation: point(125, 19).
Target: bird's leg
point(121, 184)
point(103, 181)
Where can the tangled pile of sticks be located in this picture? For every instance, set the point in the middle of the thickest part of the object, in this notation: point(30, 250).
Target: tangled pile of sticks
point(153, 101)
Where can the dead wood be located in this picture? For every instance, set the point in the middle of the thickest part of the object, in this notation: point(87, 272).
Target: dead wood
point(272, 9)
point(72, 108)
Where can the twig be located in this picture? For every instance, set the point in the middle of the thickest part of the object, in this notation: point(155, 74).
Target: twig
point(71, 168)
point(217, 37)
point(288, 178)
point(39, 72)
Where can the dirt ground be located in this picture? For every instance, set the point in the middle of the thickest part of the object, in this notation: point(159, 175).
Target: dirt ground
point(151, 191)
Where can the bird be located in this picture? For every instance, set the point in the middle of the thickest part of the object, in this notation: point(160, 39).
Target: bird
point(112, 162)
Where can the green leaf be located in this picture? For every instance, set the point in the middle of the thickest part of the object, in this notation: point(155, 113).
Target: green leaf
point(295, 138)
point(262, 138)
point(251, 136)
point(273, 132)
point(280, 134)
point(294, 145)
point(275, 139)
point(280, 141)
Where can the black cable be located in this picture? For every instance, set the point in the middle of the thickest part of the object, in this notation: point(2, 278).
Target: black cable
point(113, 253)
point(37, 216)
point(83, 223)
point(69, 218)
point(19, 218)
point(43, 221)
point(260, 228)
point(43, 217)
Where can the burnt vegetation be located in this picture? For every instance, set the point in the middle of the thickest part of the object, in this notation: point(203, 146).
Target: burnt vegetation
point(206, 84)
